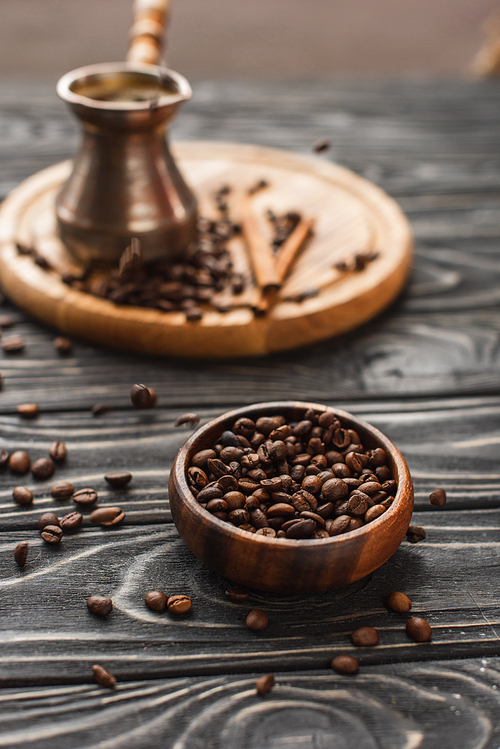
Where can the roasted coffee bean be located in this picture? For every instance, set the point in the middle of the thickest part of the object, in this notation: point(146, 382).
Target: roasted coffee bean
point(228, 483)
point(338, 526)
point(276, 522)
point(312, 484)
point(264, 684)
point(12, 344)
point(377, 458)
point(107, 516)
point(438, 497)
point(303, 501)
point(28, 410)
point(383, 473)
point(189, 418)
point(209, 492)
point(244, 426)
point(247, 486)
point(101, 408)
point(390, 487)
point(297, 472)
point(179, 604)
point(4, 459)
point(52, 534)
point(257, 620)
point(103, 677)
point(258, 519)
point(341, 470)
point(345, 664)
point(234, 500)
point(142, 396)
point(357, 504)
point(334, 490)
point(238, 517)
point(399, 602)
point(217, 467)
point(201, 457)
point(370, 487)
point(71, 522)
point(85, 496)
point(374, 512)
point(237, 595)
point(268, 531)
point(58, 450)
point(354, 524)
point(230, 454)
point(118, 480)
point(100, 605)
point(62, 490)
point(415, 533)
point(22, 495)
point(43, 468)
point(278, 451)
point(325, 510)
point(197, 477)
point(280, 497)
point(62, 345)
point(320, 522)
point(418, 629)
point(302, 529)
point(365, 637)
point(266, 424)
point(156, 600)
point(21, 553)
point(280, 508)
point(48, 518)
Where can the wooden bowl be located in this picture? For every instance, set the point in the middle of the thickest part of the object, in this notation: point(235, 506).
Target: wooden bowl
point(279, 565)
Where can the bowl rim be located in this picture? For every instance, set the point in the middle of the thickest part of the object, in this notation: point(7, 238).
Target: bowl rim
point(179, 471)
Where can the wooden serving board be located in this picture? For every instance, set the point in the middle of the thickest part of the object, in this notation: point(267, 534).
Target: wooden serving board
point(351, 216)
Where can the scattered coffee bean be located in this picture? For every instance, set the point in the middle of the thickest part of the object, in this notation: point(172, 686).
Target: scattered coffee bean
point(415, 533)
point(19, 462)
point(142, 396)
point(260, 185)
point(101, 408)
point(418, 629)
point(398, 602)
point(438, 497)
point(28, 410)
point(43, 468)
point(71, 522)
point(85, 496)
point(22, 495)
point(264, 684)
point(48, 518)
point(118, 480)
point(99, 605)
point(365, 637)
point(62, 345)
point(237, 595)
point(156, 600)
point(103, 677)
point(4, 459)
point(179, 604)
point(345, 664)
point(189, 418)
point(58, 451)
point(6, 321)
point(12, 344)
point(62, 490)
point(21, 553)
point(257, 620)
point(107, 516)
point(52, 534)
point(322, 145)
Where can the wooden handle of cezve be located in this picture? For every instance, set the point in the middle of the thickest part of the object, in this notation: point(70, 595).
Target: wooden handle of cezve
point(146, 34)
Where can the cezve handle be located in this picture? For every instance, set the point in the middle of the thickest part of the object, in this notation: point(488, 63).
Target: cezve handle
point(146, 34)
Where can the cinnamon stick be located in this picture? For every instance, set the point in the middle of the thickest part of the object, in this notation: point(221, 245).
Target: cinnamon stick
point(292, 246)
point(261, 255)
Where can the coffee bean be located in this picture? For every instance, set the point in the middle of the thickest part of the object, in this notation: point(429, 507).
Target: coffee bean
point(334, 490)
point(85, 496)
point(22, 495)
point(418, 629)
point(156, 600)
point(237, 595)
point(107, 516)
point(58, 451)
point(48, 518)
point(365, 637)
point(71, 522)
point(302, 529)
point(201, 457)
point(398, 602)
point(103, 677)
point(6, 321)
point(280, 509)
point(19, 462)
point(209, 492)
point(142, 396)
point(21, 553)
point(62, 490)
point(438, 497)
point(415, 533)
point(62, 345)
point(189, 418)
point(4, 459)
point(264, 684)
point(52, 534)
point(118, 480)
point(28, 410)
point(99, 605)
point(43, 468)
point(374, 512)
point(179, 604)
point(13, 343)
point(267, 531)
point(320, 523)
point(101, 408)
point(257, 620)
point(320, 146)
point(338, 526)
point(345, 664)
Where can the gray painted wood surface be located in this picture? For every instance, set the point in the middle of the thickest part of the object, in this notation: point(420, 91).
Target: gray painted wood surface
point(426, 372)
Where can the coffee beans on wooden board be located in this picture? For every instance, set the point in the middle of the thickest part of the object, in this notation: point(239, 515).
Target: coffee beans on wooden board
point(190, 419)
point(100, 605)
point(257, 620)
point(19, 461)
point(103, 677)
point(71, 522)
point(58, 451)
point(365, 637)
point(142, 396)
point(28, 410)
point(52, 534)
point(21, 553)
point(62, 490)
point(179, 604)
point(156, 600)
point(118, 480)
point(399, 602)
point(345, 664)
point(107, 516)
point(415, 533)
point(22, 495)
point(264, 684)
point(418, 629)
point(438, 497)
point(311, 478)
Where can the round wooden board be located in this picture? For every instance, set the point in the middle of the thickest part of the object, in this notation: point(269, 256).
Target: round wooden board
point(351, 216)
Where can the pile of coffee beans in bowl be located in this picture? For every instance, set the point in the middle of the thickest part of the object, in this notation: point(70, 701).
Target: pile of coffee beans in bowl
point(306, 479)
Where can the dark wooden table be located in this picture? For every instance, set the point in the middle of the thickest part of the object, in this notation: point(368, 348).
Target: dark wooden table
point(427, 372)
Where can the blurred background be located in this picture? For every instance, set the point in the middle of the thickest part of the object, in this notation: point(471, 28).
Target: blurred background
point(262, 39)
